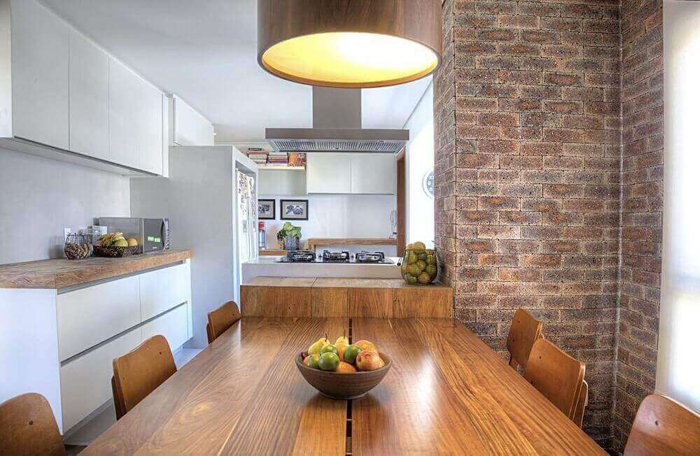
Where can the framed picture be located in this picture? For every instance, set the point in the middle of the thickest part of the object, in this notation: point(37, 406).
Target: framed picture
point(294, 209)
point(266, 209)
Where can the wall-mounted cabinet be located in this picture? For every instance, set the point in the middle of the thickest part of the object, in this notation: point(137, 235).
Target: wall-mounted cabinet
point(281, 182)
point(190, 128)
point(63, 97)
point(347, 173)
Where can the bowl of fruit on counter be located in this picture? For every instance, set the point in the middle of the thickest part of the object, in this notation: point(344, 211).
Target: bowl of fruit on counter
point(342, 370)
point(115, 245)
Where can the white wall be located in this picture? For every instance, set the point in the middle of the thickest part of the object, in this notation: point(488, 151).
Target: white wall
point(39, 197)
point(420, 153)
point(338, 216)
point(678, 371)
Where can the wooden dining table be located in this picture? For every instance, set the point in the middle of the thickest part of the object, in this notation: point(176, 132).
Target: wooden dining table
point(446, 393)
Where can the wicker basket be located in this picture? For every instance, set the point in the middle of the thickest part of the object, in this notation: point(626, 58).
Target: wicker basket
point(116, 252)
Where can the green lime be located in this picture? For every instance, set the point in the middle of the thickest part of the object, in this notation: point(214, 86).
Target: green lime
point(431, 269)
point(421, 265)
point(410, 279)
point(328, 361)
point(329, 349)
point(419, 246)
point(404, 268)
point(312, 361)
point(351, 353)
point(424, 278)
point(411, 258)
point(413, 270)
point(432, 259)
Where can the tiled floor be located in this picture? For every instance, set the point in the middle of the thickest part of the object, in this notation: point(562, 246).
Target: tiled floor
point(77, 440)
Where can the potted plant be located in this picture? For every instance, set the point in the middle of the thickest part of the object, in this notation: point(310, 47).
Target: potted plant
point(289, 236)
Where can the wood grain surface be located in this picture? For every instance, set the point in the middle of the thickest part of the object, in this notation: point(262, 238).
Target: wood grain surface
point(241, 395)
point(62, 273)
point(346, 297)
point(313, 243)
point(448, 393)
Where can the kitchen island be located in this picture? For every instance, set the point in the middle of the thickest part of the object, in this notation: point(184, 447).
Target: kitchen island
point(270, 266)
point(344, 297)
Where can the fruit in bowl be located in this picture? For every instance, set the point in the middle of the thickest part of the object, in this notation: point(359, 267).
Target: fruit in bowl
point(343, 370)
point(420, 265)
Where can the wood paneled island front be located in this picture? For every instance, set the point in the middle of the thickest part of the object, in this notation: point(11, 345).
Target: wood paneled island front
point(340, 297)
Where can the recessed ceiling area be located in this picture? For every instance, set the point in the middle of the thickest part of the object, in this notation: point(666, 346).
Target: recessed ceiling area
point(205, 52)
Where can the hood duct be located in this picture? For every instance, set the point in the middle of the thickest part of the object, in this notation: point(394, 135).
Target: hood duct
point(337, 127)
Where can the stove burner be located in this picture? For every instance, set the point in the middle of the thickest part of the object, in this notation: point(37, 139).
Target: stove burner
point(367, 257)
point(336, 257)
point(300, 256)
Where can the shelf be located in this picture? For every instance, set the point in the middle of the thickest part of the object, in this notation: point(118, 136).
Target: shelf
point(313, 243)
point(281, 168)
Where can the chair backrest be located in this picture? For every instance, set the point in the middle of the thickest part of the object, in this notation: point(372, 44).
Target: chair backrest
point(663, 426)
point(524, 331)
point(28, 427)
point(222, 319)
point(141, 371)
point(581, 405)
point(556, 375)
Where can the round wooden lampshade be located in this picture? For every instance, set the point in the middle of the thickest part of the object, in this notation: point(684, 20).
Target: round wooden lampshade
point(350, 43)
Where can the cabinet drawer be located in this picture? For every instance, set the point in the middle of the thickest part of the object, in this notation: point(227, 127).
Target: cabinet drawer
point(164, 289)
point(86, 381)
point(92, 315)
point(173, 325)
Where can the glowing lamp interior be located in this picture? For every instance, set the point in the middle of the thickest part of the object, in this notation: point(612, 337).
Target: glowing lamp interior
point(350, 59)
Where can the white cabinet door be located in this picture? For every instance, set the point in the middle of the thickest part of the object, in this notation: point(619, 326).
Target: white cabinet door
point(373, 174)
point(191, 127)
point(89, 316)
point(281, 183)
point(40, 55)
point(86, 381)
point(179, 284)
point(154, 291)
point(89, 98)
point(124, 115)
point(173, 325)
point(328, 173)
point(135, 120)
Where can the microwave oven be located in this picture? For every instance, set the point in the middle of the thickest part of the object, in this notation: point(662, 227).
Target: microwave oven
point(153, 235)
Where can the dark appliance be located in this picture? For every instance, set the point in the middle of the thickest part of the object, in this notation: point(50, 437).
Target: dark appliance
point(152, 234)
point(300, 256)
point(335, 257)
point(369, 257)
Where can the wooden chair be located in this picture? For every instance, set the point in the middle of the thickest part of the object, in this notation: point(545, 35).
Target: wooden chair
point(141, 371)
point(524, 331)
point(556, 375)
point(663, 426)
point(222, 319)
point(28, 427)
point(581, 405)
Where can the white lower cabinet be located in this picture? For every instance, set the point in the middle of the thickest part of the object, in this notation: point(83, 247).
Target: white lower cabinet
point(99, 323)
point(86, 380)
point(173, 325)
point(91, 315)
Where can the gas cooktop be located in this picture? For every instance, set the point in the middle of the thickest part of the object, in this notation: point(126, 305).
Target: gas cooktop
point(344, 257)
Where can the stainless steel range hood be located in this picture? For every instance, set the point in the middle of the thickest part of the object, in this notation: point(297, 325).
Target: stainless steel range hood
point(337, 127)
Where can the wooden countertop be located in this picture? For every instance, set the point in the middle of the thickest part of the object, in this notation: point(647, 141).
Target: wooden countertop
point(313, 243)
point(447, 393)
point(63, 273)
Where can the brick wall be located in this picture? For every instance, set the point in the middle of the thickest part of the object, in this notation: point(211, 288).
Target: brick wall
point(528, 154)
point(642, 199)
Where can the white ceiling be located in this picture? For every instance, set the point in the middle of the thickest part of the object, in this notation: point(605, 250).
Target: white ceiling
point(205, 52)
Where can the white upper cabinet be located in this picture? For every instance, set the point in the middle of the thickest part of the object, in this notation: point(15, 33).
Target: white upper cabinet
point(89, 98)
point(347, 173)
point(328, 173)
point(40, 55)
point(191, 128)
point(59, 90)
point(135, 120)
point(373, 174)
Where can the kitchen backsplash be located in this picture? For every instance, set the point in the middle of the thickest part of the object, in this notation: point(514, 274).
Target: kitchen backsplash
point(39, 197)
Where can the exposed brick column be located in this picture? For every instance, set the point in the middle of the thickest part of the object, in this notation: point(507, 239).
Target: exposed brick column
point(528, 175)
point(642, 201)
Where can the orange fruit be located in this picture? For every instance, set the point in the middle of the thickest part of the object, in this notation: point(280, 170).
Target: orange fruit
point(345, 368)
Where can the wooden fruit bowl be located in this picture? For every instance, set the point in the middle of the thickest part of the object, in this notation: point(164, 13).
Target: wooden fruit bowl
point(343, 386)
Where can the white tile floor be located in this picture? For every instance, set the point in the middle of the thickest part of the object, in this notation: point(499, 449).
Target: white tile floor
point(99, 423)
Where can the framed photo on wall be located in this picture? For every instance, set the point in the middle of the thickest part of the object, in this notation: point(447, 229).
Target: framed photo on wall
point(294, 209)
point(266, 209)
